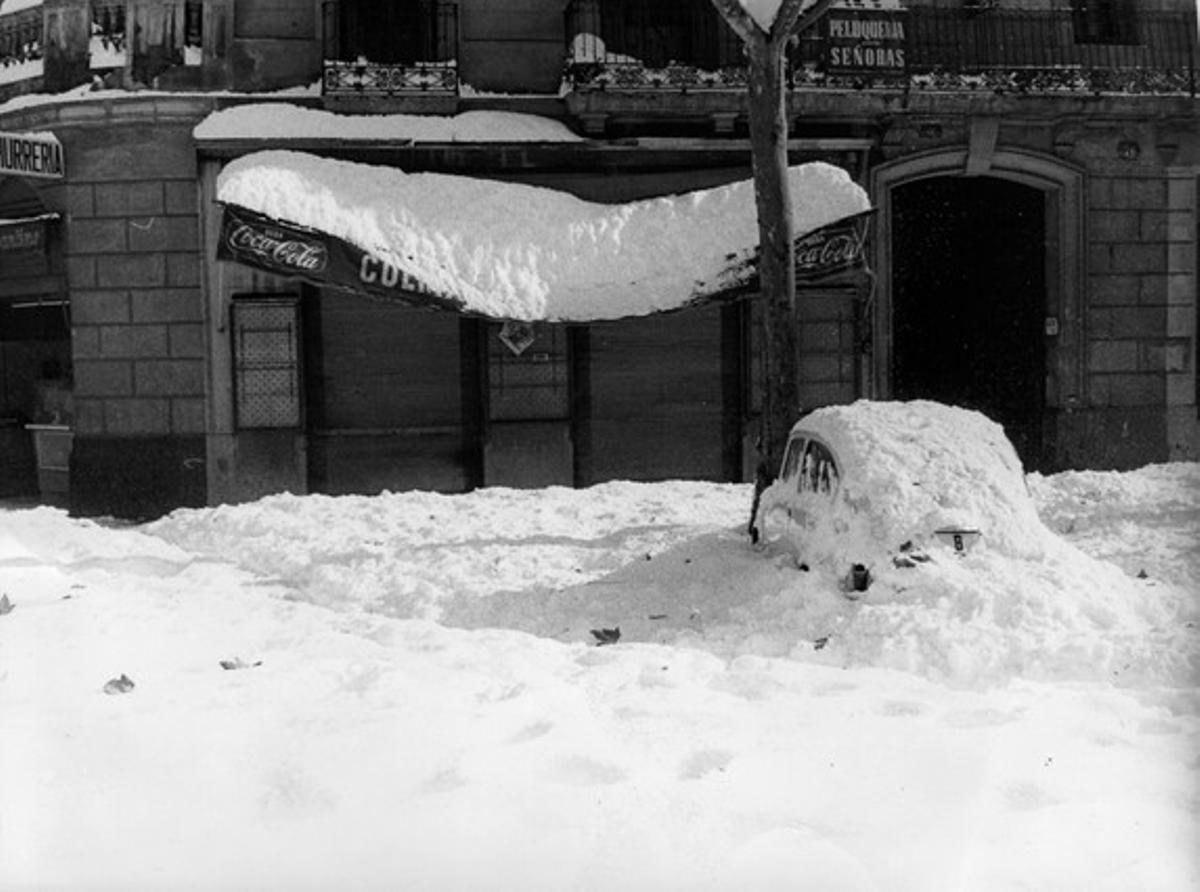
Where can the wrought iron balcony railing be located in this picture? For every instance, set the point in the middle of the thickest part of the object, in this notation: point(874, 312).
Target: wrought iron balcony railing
point(21, 40)
point(684, 45)
point(385, 50)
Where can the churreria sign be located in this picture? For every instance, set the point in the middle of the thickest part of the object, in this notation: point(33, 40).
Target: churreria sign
point(31, 155)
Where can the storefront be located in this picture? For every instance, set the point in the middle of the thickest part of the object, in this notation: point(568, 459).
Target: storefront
point(36, 405)
point(345, 390)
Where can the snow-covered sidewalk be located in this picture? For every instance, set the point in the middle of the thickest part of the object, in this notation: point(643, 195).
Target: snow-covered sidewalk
point(390, 721)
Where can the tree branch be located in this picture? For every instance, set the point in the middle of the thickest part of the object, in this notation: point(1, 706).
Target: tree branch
point(788, 20)
point(742, 22)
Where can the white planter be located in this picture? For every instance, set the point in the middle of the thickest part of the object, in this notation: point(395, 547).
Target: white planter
point(52, 447)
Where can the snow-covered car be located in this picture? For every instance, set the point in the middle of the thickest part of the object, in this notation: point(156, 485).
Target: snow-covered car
point(896, 484)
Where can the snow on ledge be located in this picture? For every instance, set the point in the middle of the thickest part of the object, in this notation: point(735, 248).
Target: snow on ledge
point(281, 120)
point(514, 251)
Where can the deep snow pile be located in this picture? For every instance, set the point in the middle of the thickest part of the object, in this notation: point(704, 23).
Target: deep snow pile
point(514, 251)
point(356, 747)
point(674, 566)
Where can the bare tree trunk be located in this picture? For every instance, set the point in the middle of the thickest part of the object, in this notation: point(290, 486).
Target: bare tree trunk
point(767, 107)
point(776, 269)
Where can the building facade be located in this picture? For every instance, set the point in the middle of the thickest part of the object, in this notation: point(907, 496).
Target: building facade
point(1033, 164)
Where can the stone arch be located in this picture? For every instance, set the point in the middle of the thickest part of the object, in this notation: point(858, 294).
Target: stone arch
point(1063, 186)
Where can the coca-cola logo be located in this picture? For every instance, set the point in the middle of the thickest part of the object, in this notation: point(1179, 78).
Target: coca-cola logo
point(830, 250)
point(278, 247)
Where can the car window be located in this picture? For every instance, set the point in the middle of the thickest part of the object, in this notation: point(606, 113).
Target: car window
point(791, 458)
point(818, 470)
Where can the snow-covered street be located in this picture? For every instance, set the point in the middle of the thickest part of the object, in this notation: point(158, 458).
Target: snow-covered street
point(416, 699)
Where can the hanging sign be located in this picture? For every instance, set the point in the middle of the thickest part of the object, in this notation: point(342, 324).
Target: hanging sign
point(286, 249)
point(32, 155)
point(865, 41)
point(835, 248)
point(517, 336)
point(26, 235)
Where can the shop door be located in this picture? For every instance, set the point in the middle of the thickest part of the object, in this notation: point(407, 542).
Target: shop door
point(969, 298)
point(384, 397)
point(528, 440)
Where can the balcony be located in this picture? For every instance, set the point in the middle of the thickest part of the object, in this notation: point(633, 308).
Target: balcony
point(21, 50)
point(1017, 51)
point(167, 40)
point(634, 46)
point(378, 53)
point(626, 45)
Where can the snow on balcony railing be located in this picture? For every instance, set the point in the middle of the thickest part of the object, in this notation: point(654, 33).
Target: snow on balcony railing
point(370, 52)
point(21, 40)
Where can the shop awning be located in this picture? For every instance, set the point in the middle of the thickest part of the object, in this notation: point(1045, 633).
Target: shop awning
point(25, 235)
point(513, 251)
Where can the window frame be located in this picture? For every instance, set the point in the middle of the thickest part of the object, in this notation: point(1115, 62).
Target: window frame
point(291, 417)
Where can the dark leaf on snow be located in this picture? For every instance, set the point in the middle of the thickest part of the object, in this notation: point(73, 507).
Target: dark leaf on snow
point(606, 636)
point(122, 685)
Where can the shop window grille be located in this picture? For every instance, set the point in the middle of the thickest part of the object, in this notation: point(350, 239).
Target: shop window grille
point(531, 384)
point(266, 356)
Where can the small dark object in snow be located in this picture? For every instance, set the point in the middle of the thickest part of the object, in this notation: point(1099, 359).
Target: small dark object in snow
point(820, 643)
point(647, 557)
point(6, 606)
point(657, 616)
point(804, 567)
point(122, 685)
point(859, 579)
point(606, 636)
point(909, 556)
point(239, 663)
point(1142, 574)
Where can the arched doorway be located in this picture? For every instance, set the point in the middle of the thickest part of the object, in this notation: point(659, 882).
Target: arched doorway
point(969, 300)
point(1012, 229)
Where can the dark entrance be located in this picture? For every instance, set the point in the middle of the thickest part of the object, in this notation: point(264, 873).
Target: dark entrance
point(35, 339)
point(969, 300)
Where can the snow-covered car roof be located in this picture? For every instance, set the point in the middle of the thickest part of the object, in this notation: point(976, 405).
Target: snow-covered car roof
point(906, 470)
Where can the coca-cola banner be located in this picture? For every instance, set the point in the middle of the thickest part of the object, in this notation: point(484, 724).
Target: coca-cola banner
point(832, 249)
point(320, 258)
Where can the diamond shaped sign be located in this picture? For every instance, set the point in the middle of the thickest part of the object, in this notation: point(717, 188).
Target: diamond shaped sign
point(517, 336)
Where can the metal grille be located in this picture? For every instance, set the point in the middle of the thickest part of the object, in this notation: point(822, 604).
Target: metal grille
point(266, 363)
point(530, 385)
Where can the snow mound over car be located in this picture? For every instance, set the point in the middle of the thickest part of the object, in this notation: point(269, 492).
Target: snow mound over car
point(908, 470)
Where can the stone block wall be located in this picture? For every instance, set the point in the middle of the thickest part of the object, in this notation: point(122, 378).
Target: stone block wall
point(1140, 302)
point(134, 277)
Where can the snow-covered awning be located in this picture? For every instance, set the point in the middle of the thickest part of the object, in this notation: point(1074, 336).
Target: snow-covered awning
point(504, 250)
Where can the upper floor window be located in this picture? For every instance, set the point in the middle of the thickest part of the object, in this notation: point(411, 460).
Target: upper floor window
point(393, 31)
point(1105, 21)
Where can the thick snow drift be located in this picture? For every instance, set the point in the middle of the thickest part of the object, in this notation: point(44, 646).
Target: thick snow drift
point(745, 731)
point(513, 251)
